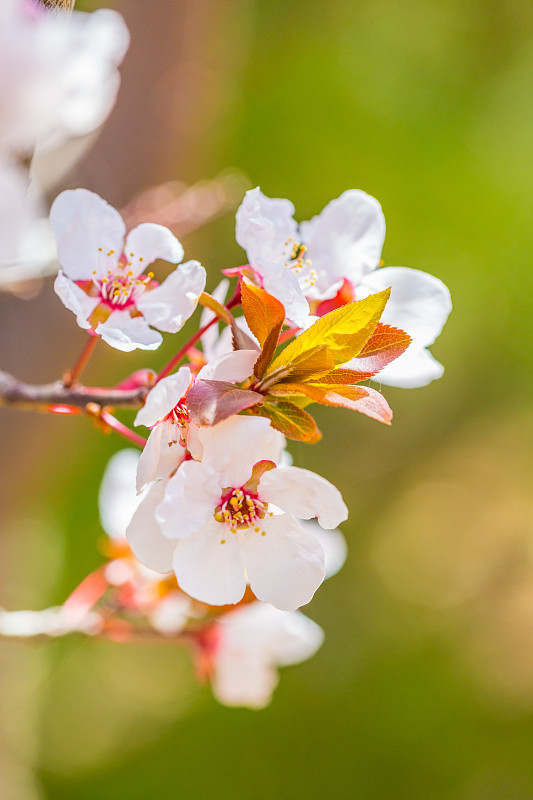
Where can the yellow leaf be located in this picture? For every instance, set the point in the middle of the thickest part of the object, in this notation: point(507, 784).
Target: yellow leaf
point(345, 331)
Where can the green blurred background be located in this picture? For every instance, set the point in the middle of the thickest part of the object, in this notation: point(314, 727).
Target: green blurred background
point(423, 689)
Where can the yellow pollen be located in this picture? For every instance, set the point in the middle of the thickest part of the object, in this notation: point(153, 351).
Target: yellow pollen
point(130, 272)
point(132, 255)
point(270, 513)
point(111, 252)
point(257, 530)
point(141, 259)
point(263, 533)
point(99, 249)
point(95, 272)
point(222, 541)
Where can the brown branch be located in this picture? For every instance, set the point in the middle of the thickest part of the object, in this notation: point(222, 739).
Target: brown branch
point(18, 394)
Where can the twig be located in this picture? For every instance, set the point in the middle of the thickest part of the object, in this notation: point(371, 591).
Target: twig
point(44, 397)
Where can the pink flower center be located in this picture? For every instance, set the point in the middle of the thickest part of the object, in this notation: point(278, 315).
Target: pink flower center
point(120, 287)
point(240, 509)
point(178, 424)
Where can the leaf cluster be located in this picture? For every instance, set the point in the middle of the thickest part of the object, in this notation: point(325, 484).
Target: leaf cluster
point(310, 369)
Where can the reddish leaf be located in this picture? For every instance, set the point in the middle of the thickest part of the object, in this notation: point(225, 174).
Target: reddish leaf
point(357, 398)
point(385, 344)
point(291, 420)
point(241, 340)
point(210, 402)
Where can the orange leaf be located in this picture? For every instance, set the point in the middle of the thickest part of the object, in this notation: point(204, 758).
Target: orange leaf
point(357, 398)
point(385, 344)
point(265, 317)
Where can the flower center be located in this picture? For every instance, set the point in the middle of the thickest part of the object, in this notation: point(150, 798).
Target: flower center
point(240, 510)
point(178, 424)
point(120, 286)
point(301, 266)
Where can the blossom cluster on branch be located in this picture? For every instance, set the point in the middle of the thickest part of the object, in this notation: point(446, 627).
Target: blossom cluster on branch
point(215, 538)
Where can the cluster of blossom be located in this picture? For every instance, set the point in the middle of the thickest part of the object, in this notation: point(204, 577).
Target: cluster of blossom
point(224, 553)
point(215, 538)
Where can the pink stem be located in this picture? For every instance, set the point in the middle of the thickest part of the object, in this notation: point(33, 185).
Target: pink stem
point(72, 375)
point(122, 429)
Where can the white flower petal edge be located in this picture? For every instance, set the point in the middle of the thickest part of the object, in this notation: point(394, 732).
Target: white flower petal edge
point(163, 397)
point(263, 225)
point(208, 566)
point(149, 241)
point(254, 640)
point(128, 333)
point(332, 543)
point(420, 305)
point(117, 499)
point(236, 444)
point(87, 229)
point(169, 306)
point(75, 299)
point(344, 241)
point(285, 567)
point(144, 536)
point(157, 459)
point(304, 494)
point(413, 369)
point(234, 367)
point(191, 497)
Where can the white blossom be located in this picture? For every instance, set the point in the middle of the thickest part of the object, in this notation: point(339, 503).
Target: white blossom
point(104, 282)
point(233, 518)
point(339, 251)
point(251, 643)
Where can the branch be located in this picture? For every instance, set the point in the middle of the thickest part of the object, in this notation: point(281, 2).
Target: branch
point(43, 397)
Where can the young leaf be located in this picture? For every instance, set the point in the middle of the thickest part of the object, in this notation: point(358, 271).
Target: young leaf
point(357, 398)
point(385, 344)
point(265, 317)
point(345, 331)
point(241, 341)
point(210, 402)
point(292, 421)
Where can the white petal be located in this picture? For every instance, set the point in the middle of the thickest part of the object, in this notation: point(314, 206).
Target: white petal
point(171, 613)
point(208, 566)
point(144, 535)
point(277, 637)
point(128, 333)
point(413, 369)
point(117, 499)
point(243, 680)
point(285, 566)
point(75, 299)
point(346, 239)
point(158, 460)
point(281, 282)
point(264, 225)
point(304, 494)
point(169, 306)
point(236, 444)
point(419, 303)
point(332, 543)
point(149, 241)
point(235, 366)
point(86, 230)
point(164, 397)
point(190, 500)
